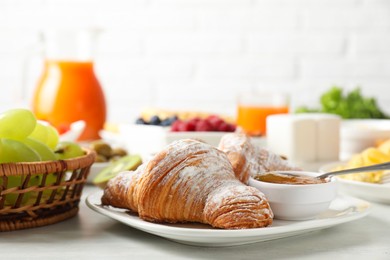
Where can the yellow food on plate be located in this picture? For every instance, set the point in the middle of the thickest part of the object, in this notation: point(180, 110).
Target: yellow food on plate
point(385, 147)
point(368, 157)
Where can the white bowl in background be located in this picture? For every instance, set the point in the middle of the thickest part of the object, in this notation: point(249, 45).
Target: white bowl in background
point(76, 129)
point(359, 134)
point(297, 202)
point(369, 191)
point(150, 139)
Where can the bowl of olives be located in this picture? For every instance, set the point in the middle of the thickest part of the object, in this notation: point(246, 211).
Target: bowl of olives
point(109, 162)
point(105, 155)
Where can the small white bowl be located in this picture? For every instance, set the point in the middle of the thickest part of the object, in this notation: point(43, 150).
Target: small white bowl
point(96, 168)
point(297, 202)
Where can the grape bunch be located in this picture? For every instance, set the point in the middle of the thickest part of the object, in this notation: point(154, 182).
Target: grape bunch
point(211, 123)
point(24, 139)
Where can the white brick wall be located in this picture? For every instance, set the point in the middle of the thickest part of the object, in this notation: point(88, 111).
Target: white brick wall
point(199, 54)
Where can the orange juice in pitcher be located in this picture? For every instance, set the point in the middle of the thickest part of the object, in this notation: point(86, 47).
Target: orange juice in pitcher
point(68, 89)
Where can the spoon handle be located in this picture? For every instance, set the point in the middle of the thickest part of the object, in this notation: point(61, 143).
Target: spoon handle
point(375, 167)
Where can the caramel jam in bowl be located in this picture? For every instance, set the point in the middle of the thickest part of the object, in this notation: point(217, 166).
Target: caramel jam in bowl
point(273, 177)
point(298, 196)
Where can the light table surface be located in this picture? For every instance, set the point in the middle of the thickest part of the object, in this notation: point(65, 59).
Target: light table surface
point(93, 236)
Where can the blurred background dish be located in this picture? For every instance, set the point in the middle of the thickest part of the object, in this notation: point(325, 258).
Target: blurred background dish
point(149, 139)
point(359, 134)
point(73, 132)
point(109, 161)
point(370, 191)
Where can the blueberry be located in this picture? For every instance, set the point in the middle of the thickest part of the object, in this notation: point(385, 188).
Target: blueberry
point(169, 121)
point(173, 118)
point(166, 122)
point(155, 120)
point(140, 121)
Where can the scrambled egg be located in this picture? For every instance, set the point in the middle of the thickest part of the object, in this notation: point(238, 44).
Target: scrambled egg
point(370, 156)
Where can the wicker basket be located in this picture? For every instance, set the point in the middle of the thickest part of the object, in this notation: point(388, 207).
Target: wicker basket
point(48, 192)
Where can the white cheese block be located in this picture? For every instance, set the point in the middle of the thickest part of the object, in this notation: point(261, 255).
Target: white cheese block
point(291, 136)
point(304, 137)
point(328, 138)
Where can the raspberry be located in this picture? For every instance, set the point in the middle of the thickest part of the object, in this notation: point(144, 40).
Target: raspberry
point(223, 127)
point(195, 120)
point(212, 117)
point(203, 126)
point(232, 128)
point(215, 122)
point(211, 123)
point(189, 126)
point(176, 126)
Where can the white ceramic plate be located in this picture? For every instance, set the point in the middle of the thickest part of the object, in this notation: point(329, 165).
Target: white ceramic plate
point(341, 210)
point(369, 191)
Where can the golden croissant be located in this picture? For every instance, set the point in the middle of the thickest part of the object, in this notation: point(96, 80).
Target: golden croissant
point(250, 160)
point(189, 181)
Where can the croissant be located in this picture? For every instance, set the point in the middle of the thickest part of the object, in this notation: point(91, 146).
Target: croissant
point(189, 181)
point(250, 160)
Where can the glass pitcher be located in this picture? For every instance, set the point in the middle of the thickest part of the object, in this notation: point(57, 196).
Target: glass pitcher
point(68, 89)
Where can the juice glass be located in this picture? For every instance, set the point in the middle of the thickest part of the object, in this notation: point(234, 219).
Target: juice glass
point(68, 89)
point(253, 109)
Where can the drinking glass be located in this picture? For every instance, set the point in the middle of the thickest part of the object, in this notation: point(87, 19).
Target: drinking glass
point(254, 107)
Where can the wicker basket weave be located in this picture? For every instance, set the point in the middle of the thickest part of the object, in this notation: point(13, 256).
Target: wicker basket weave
point(53, 196)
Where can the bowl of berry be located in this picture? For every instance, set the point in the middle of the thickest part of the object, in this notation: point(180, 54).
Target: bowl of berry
point(150, 134)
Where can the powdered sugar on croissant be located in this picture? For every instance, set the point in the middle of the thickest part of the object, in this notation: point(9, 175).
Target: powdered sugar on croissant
point(250, 160)
point(190, 181)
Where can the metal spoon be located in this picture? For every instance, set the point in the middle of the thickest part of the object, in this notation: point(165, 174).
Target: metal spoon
point(375, 167)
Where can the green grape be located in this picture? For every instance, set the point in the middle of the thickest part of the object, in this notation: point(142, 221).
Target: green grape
point(39, 133)
point(46, 134)
point(47, 155)
point(43, 150)
point(66, 150)
point(52, 137)
point(15, 181)
point(15, 151)
point(17, 123)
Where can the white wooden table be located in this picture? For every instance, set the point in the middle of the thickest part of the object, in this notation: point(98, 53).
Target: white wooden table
point(94, 236)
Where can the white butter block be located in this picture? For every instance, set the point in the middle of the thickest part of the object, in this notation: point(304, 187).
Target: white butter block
point(304, 137)
point(328, 138)
point(291, 136)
